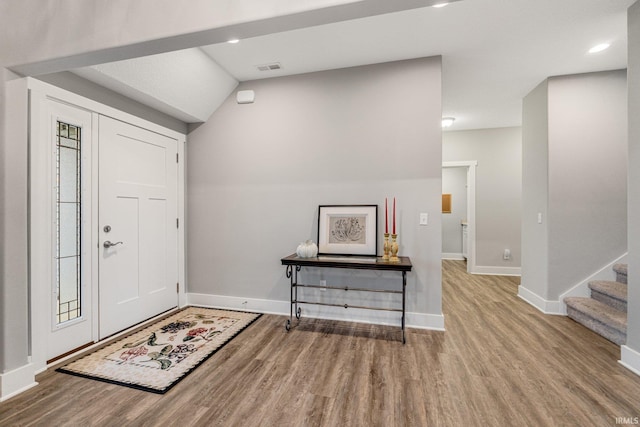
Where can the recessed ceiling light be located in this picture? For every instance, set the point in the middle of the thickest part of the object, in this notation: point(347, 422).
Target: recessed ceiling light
point(599, 48)
point(447, 121)
point(441, 4)
point(233, 41)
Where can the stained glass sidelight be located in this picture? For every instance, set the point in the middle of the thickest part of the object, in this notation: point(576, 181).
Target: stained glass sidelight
point(68, 221)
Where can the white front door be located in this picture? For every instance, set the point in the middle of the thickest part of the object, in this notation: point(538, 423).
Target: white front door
point(138, 210)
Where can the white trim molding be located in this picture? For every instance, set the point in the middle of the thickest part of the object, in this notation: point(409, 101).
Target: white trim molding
point(497, 271)
point(238, 303)
point(16, 381)
point(282, 308)
point(545, 306)
point(630, 359)
point(453, 256)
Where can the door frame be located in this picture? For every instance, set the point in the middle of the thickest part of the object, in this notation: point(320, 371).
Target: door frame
point(40, 246)
point(470, 165)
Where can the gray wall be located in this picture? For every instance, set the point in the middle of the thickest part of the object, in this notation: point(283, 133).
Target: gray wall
point(587, 175)
point(258, 172)
point(13, 243)
point(535, 186)
point(584, 187)
point(454, 182)
point(633, 328)
point(498, 189)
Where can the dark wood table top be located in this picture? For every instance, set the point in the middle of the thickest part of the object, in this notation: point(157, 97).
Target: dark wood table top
point(342, 261)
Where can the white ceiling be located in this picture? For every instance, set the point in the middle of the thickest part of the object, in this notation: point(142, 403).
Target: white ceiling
point(494, 51)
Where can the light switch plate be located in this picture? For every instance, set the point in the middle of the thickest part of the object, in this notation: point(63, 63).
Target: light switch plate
point(424, 219)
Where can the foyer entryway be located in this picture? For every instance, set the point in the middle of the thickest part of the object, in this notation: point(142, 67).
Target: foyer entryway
point(106, 240)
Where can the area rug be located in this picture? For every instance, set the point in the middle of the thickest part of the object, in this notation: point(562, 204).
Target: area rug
point(157, 357)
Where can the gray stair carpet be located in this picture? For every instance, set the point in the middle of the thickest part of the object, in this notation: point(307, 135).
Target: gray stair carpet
point(610, 293)
point(599, 317)
point(605, 312)
point(621, 272)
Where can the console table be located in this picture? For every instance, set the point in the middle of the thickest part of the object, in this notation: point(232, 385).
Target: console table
point(294, 264)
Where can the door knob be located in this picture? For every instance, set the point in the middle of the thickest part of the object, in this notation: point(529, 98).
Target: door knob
point(107, 244)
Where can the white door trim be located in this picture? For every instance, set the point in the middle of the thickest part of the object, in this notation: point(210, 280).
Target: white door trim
point(40, 92)
point(471, 209)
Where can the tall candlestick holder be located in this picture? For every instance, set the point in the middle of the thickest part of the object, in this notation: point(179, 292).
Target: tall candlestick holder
point(394, 249)
point(386, 247)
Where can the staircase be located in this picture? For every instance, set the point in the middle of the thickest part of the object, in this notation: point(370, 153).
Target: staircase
point(605, 312)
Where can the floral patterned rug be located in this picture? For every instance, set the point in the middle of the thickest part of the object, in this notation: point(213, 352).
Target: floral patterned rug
point(155, 358)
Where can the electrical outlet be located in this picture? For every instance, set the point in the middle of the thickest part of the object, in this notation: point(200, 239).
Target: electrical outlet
point(323, 283)
point(506, 255)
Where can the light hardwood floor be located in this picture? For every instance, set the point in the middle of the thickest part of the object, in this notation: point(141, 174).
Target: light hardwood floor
point(499, 363)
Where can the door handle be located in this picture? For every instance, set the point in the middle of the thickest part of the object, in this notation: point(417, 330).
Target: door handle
point(107, 244)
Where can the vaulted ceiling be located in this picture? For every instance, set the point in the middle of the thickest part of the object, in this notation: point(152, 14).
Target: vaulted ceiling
point(494, 52)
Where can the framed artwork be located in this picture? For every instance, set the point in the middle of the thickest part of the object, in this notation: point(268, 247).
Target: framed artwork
point(446, 203)
point(348, 230)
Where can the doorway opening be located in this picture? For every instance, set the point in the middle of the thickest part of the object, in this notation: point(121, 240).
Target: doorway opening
point(465, 230)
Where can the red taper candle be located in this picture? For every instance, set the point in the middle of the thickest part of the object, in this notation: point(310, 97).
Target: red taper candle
point(386, 219)
point(394, 215)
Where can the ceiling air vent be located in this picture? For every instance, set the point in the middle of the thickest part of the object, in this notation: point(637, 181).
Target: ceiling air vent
point(269, 67)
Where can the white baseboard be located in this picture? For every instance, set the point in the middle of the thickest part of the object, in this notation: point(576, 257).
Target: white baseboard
point(16, 381)
point(581, 289)
point(496, 271)
point(237, 303)
point(282, 308)
point(545, 306)
point(433, 322)
point(453, 256)
point(630, 359)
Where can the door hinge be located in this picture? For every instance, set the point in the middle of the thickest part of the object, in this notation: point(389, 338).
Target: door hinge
point(178, 288)
point(177, 157)
point(177, 222)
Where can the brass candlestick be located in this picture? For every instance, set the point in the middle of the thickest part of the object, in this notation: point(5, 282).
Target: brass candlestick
point(386, 247)
point(394, 249)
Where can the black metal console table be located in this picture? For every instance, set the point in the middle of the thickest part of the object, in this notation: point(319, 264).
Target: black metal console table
point(294, 264)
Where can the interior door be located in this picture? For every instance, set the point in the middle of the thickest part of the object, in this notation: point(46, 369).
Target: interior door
point(138, 193)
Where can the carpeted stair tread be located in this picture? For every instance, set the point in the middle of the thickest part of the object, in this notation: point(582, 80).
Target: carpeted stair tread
point(621, 272)
point(611, 293)
point(620, 268)
point(615, 290)
point(599, 317)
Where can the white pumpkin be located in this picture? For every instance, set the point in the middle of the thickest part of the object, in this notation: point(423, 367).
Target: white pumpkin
point(307, 249)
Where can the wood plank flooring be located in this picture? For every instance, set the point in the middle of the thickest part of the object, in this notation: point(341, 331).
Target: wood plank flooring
point(499, 363)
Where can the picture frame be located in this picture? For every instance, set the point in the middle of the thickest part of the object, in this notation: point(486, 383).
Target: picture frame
point(446, 203)
point(348, 230)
